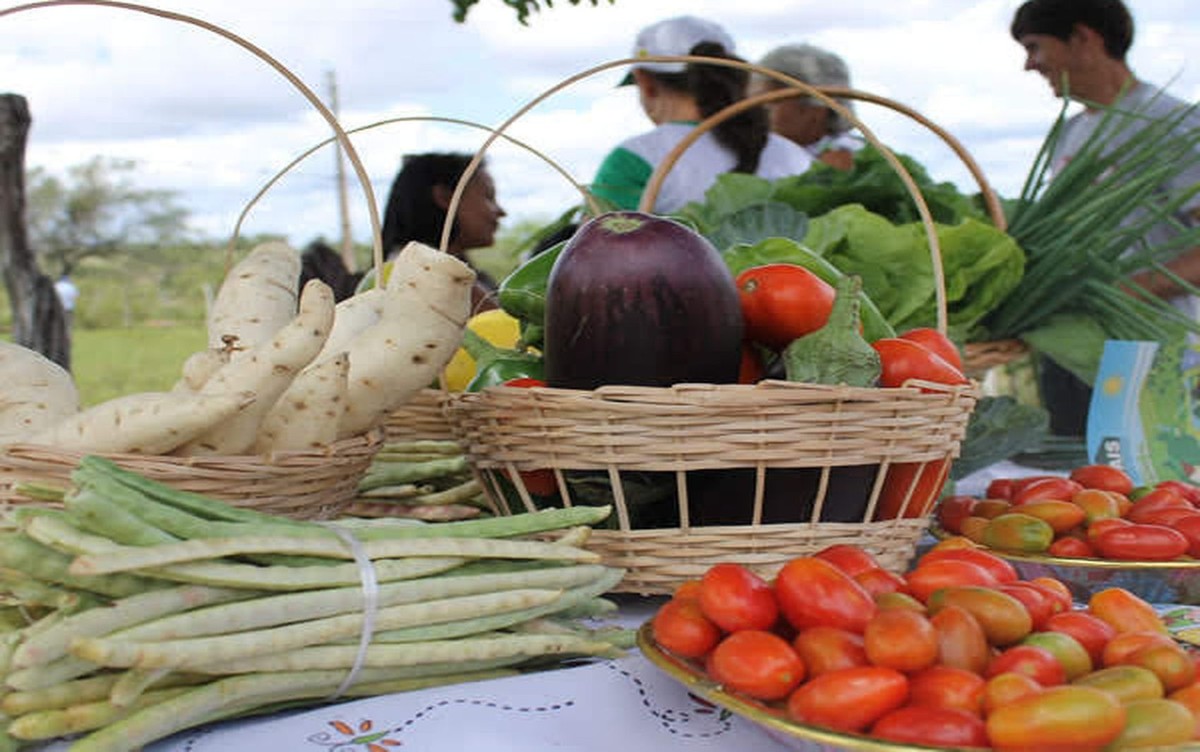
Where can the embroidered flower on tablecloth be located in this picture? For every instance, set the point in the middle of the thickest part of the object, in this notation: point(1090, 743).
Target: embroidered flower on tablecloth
point(361, 737)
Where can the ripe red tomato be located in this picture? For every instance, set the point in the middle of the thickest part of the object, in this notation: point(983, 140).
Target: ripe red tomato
point(812, 592)
point(910, 489)
point(999, 488)
point(735, 598)
point(760, 664)
point(932, 339)
point(902, 639)
point(952, 510)
point(1141, 543)
point(1189, 491)
point(1103, 477)
point(680, 627)
point(947, 687)
point(1156, 501)
point(950, 728)
point(825, 649)
point(850, 699)
point(781, 302)
point(1047, 488)
point(1190, 528)
point(1034, 661)
point(850, 559)
point(1120, 650)
point(1001, 569)
point(1070, 547)
point(1039, 604)
point(930, 576)
point(880, 581)
point(1089, 631)
point(751, 370)
point(962, 643)
point(902, 360)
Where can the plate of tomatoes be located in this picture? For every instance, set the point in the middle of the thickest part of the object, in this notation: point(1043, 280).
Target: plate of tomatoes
point(1091, 529)
point(959, 652)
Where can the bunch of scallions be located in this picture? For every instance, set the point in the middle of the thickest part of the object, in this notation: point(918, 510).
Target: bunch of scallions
point(136, 610)
point(1084, 235)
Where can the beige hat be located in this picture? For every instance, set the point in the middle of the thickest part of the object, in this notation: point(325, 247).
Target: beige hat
point(675, 36)
point(813, 66)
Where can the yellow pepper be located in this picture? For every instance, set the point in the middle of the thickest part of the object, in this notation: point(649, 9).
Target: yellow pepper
point(498, 328)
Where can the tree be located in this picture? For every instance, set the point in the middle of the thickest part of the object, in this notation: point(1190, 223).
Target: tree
point(97, 211)
point(522, 7)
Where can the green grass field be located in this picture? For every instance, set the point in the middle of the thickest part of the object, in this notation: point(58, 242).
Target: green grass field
point(107, 363)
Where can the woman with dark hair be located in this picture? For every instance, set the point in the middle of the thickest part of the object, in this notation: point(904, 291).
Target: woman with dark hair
point(419, 200)
point(676, 96)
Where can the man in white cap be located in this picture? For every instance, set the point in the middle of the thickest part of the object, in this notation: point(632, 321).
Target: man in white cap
point(820, 129)
point(676, 95)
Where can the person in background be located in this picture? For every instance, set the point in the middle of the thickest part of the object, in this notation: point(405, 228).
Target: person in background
point(675, 96)
point(320, 261)
point(1080, 47)
point(820, 129)
point(419, 200)
point(68, 293)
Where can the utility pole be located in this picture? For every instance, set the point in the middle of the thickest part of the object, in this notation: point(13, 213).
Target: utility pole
point(340, 168)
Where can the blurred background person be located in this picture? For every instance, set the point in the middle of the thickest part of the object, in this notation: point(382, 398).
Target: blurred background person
point(419, 200)
point(806, 120)
point(675, 96)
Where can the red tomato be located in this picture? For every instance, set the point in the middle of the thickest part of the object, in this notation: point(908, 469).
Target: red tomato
point(679, 626)
point(952, 510)
point(1039, 605)
point(1190, 528)
point(903, 360)
point(760, 664)
point(1141, 543)
point(1089, 631)
point(736, 598)
point(1189, 491)
point(1097, 505)
point(1169, 516)
point(1120, 650)
point(1034, 661)
point(947, 687)
point(879, 581)
point(1047, 488)
point(1074, 657)
point(930, 576)
point(1056, 589)
point(1001, 569)
point(1125, 611)
point(1004, 619)
point(751, 369)
point(910, 489)
point(1061, 516)
point(812, 592)
point(1171, 663)
point(932, 726)
point(1070, 717)
point(1070, 547)
point(825, 649)
point(850, 699)
point(941, 345)
point(1104, 477)
point(999, 488)
point(902, 639)
point(962, 643)
point(1094, 529)
point(781, 302)
point(688, 590)
point(1156, 501)
point(850, 559)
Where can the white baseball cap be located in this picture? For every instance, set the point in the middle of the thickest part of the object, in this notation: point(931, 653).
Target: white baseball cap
point(675, 36)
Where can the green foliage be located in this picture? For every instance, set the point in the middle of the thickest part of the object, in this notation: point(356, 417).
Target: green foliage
point(522, 7)
point(96, 211)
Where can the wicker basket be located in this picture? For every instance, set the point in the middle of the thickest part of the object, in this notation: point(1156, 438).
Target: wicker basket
point(309, 484)
point(419, 418)
point(316, 484)
point(704, 473)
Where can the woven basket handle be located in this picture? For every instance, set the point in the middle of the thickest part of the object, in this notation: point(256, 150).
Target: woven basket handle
point(339, 133)
point(795, 88)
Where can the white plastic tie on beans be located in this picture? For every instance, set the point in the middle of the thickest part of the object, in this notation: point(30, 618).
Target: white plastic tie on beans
point(370, 592)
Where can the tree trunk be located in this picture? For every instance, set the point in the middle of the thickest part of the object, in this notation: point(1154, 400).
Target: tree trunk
point(39, 321)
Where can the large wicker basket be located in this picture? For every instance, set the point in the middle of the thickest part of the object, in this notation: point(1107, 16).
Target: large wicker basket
point(702, 473)
point(309, 484)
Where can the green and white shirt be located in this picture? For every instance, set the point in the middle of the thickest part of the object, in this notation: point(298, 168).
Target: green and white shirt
point(625, 172)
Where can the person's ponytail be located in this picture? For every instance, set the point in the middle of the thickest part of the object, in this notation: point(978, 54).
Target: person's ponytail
point(714, 88)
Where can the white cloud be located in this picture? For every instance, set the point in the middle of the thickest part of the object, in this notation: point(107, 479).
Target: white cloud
point(205, 117)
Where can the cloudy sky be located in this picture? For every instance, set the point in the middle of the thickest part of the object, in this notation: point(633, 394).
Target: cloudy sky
point(206, 118)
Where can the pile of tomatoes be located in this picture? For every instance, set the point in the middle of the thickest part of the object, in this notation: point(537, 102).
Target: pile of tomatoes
point(1094, 512)
point(959, 652)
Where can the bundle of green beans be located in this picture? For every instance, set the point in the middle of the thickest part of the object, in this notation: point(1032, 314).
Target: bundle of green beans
point(426, 479)
point(137, 610)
